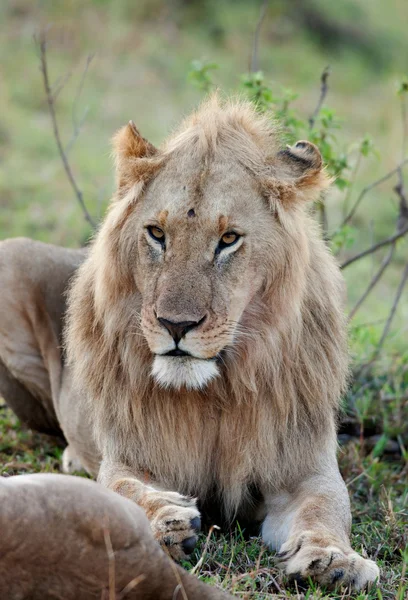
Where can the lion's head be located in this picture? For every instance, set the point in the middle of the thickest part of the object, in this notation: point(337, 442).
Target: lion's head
point(206, 224)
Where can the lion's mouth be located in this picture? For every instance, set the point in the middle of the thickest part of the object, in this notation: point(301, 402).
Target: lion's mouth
point(177, 352)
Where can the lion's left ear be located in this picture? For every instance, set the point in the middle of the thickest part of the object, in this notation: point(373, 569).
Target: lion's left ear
point(299, 174)
point(130, 148)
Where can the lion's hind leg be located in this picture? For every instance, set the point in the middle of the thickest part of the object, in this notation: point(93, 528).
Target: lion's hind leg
point(33, 278)
point(27, 408)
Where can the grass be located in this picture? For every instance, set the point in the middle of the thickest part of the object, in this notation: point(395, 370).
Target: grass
point(374, 463)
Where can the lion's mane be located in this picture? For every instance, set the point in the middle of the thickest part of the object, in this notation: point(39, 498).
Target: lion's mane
point(259, 423)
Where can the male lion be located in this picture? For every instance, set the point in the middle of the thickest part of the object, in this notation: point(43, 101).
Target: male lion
point(206, 341)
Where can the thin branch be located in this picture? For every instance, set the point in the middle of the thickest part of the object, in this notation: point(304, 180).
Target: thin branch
point(375, 247)
point(89, 59)
point(351, 184)
point(60, 84)
point(387, 326)
point(253, 67)
point(324, 88)
point(78, 124)
point(42, 44)
point(367, 189)
point(376, 278)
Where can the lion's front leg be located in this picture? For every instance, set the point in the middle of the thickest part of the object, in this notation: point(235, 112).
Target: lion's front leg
point(174, 519)
point(310, 527)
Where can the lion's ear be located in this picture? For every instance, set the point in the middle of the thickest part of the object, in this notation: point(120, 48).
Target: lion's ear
point(299, 174)
point(129, 148)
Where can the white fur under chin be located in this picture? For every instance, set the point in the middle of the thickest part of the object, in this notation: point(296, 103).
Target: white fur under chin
point(177, 372)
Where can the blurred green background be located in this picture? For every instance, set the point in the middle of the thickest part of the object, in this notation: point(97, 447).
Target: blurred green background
point(142, 55)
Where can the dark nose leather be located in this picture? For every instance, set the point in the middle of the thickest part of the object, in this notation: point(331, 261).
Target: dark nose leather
point(179, 330)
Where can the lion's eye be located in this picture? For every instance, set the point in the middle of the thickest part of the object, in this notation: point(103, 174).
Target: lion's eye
point(156, 233)
point(228, 239)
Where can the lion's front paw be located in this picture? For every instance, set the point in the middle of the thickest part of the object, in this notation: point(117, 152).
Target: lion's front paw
point(175, 521)
point(314, 555)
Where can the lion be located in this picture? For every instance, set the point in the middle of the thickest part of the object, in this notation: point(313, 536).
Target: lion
point(96, 522)
point(205, 341)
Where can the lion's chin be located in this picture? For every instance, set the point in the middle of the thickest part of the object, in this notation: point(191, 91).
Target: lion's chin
point(178, 372)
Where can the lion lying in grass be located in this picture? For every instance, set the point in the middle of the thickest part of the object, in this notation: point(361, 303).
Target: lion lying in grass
point(206, 342)
point(57, 538)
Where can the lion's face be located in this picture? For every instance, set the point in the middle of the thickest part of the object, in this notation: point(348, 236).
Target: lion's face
point(206, 224)
point(200, 239)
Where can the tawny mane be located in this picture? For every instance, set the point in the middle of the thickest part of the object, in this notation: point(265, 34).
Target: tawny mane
point(284, 376)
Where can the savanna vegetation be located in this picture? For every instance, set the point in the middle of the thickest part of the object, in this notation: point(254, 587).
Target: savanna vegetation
point(151, 61)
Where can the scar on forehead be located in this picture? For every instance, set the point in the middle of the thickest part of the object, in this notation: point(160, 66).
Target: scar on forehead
point(222, 223)
point(162, 217)
point(191, 212)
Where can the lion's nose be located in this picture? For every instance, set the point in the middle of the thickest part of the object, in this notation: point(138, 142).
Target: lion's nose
point(178, 330)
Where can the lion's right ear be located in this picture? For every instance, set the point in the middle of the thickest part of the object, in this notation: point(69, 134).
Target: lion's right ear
point(131, 150)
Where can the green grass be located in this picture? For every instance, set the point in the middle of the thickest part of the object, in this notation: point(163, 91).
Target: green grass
point(374, 463)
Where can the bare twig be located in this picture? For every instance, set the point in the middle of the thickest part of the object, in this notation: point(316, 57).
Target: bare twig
point(253, 67)
point(376, 278)
point(89, 59)
point(60, 84)
point(42, 45)
point(375, 247)
point(77, 124)
point(351, 184)
point(324, 88)
point(397, 298)
point(368, 188)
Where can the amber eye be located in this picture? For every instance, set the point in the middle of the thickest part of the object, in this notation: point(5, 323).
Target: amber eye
point(228, 239)
point(156, 233)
